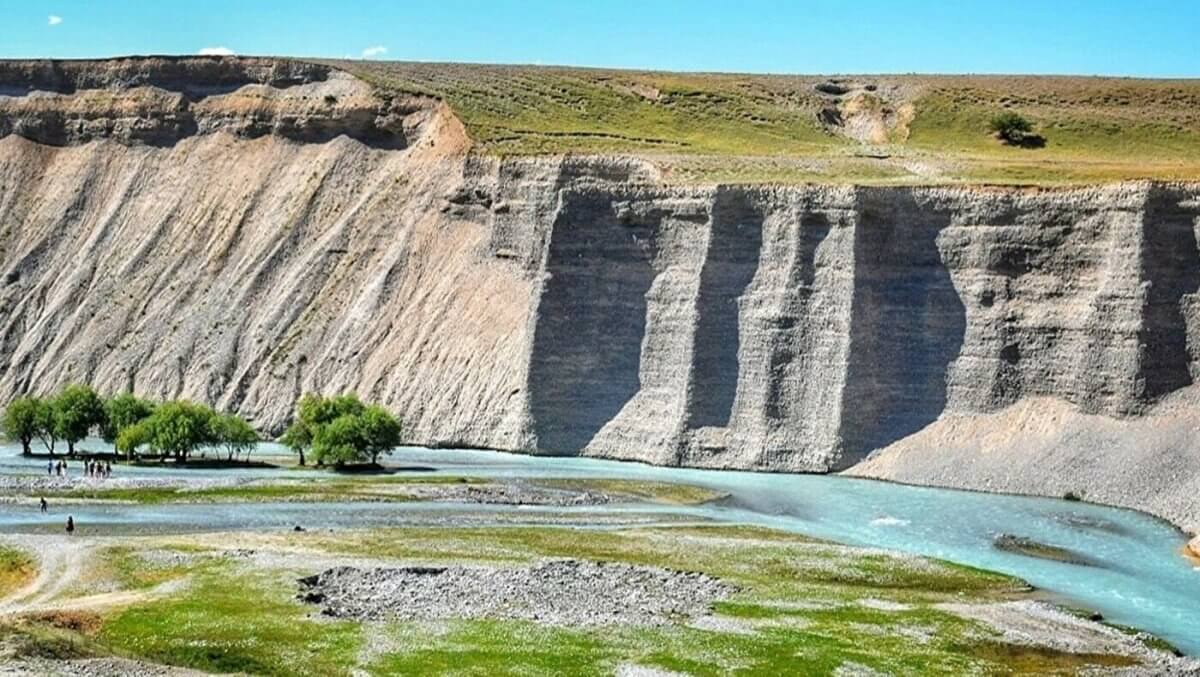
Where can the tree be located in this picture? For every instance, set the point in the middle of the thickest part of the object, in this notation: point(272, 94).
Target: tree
point(131, 437)
point(233, 433)
point(341, 430)
point(1012, 128)
point(297, 437)
point(77, 409)
point(339, 442)
point(178, 428)
point(45, 425)
point(21, 421)
point(380, 431)
point(122, 411)
point(314, 411)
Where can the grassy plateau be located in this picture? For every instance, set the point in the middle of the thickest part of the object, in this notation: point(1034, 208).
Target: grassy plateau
point(698, 127)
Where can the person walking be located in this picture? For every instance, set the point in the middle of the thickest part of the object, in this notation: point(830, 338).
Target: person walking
point(49, 467)
point(70, 525)
point(44, 506)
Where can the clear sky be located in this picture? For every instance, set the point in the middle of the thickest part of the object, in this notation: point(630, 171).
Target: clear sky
point(1116, 37)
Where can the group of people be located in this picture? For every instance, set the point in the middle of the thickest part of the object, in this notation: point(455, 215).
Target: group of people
point(60, 468)
point(101, 469)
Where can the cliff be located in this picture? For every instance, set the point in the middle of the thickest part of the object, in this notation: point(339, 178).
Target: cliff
point(242, 231)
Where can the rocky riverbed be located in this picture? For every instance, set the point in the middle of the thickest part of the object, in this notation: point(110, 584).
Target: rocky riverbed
point(569, 592)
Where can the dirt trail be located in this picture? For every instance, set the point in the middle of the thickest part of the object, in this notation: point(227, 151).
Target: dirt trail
point(62, 562)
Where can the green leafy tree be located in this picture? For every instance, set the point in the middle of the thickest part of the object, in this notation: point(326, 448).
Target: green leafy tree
point(313, 412)
point(179, 428)
point(21, 421)
point(45, 425)
point(121, 412)
point(1011, 127)
point(77, 409)
point(380, 432)
point(131, 437)
point(339, 442)
point(233, 433)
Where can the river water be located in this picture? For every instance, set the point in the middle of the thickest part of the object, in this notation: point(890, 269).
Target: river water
point(1136, 575)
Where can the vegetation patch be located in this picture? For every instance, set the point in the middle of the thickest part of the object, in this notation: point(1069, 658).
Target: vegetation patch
point(658, 492)
point(796, 606)
point(308, 490)
point(17, 568)
point(234, 620)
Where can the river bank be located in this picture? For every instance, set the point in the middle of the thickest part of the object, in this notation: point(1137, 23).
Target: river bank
point(1159, 595)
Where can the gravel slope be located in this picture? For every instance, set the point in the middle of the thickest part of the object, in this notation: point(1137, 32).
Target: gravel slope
point(1047, 447)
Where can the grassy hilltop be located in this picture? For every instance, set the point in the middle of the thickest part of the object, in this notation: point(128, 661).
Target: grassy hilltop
point(877, 129)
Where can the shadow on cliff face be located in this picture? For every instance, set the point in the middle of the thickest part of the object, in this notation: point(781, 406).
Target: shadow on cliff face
point(587, 344)
point(907, 323)
point(735, 240)
point(815, 228)
point(1171, 264)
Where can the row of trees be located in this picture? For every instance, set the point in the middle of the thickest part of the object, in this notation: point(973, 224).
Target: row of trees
point(338, 430)
point(341, 430)
point(69, 416)
point(174, 429)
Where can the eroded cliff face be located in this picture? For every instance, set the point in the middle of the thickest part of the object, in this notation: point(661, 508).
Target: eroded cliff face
point(801, 328)
point(243, 233)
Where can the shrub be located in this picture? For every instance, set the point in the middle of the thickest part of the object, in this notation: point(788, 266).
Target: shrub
point(1012, 128)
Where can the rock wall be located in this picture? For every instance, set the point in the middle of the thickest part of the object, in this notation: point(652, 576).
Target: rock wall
point(801, 328)
point(305, 233)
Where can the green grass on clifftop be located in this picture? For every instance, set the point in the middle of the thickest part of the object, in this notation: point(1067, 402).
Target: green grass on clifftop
point(750, 128)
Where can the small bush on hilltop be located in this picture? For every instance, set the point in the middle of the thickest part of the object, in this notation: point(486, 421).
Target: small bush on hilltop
point(1015, 130)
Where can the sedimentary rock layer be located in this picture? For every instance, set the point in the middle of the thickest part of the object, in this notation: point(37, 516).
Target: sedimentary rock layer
point(305, 233)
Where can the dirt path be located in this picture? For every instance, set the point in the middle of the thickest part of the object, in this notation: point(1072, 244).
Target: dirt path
point(62, 562)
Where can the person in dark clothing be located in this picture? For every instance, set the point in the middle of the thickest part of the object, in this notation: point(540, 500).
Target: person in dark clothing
point(49, 467)
point(70, 525)
point(44, 505)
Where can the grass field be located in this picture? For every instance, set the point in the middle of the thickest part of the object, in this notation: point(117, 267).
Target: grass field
point(374, 489)
point(803, 606)
point(742, 128)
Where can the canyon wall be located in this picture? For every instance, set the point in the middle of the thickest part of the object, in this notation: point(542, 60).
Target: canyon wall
point(242, 231)
point(801, 328)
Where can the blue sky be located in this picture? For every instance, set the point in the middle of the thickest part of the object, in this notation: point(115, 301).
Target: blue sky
point(1117, 37)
